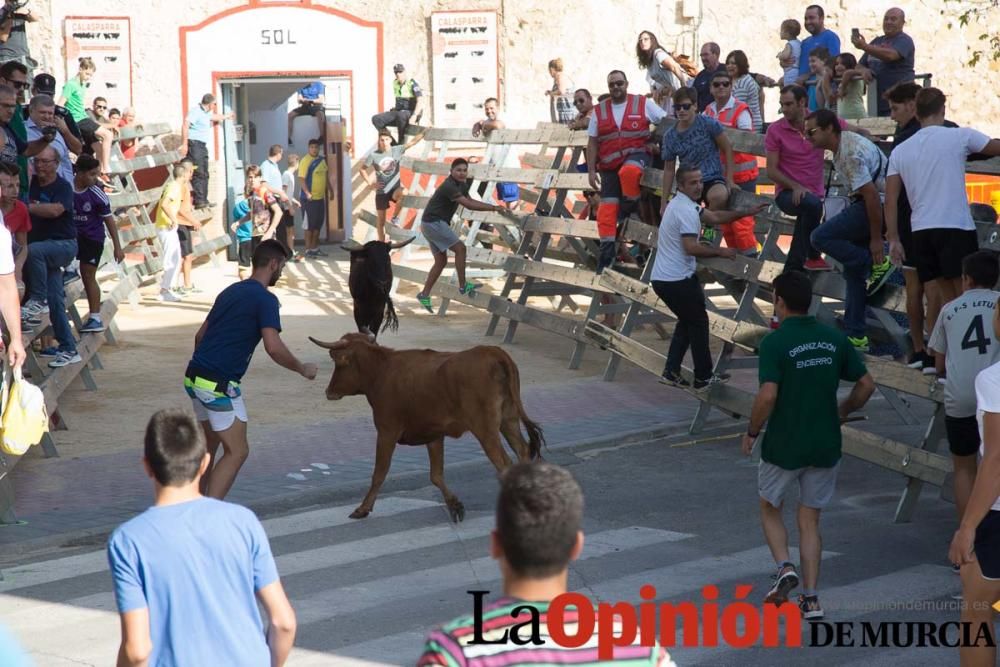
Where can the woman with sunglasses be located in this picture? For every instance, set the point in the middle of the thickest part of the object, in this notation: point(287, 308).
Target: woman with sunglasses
point(663, 72)
point(745, 87)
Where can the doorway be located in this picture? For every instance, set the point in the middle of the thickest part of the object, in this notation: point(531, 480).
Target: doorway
point(261, 105)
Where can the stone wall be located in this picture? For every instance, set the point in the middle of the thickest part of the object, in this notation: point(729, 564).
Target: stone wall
point(592, 37)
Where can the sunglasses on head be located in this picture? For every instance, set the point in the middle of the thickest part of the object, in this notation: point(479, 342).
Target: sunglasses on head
point(685, 106)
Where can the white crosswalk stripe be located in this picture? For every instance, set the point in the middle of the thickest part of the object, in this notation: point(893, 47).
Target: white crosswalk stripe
point(408, 560)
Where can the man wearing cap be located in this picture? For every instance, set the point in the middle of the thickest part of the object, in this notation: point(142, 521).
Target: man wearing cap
point(312, 99)
point(45, 84)
point(409, 98)
point(195, 135)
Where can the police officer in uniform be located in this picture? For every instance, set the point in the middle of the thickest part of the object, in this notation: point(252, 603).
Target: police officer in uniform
point(409, 98)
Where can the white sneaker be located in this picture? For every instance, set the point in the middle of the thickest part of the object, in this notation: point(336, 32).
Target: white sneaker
point(167, 295)
point(65, 359)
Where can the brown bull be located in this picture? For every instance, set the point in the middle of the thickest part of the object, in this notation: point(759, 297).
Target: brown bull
point(420, 396)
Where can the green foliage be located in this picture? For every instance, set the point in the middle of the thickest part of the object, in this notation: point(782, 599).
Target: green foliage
point(977, 12)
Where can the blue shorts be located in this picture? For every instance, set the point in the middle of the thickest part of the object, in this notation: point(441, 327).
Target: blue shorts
point(508, 192)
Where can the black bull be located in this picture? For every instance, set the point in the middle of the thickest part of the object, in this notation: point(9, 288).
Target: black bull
point(370, 281)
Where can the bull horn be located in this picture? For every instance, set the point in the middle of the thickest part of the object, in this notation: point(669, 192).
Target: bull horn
point(400, 244)
point(336, 345)
point(351, 245)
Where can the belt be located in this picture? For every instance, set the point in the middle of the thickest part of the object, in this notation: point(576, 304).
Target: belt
point(204, 380)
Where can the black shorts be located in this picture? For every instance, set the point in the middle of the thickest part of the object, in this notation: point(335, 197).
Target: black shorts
point(184, 234)
point(88, 128)
point(938, 253)
point(987, 545)
point(307, 109)
point(89, 251)
point(708, 185)
point(287, 220)
point(963, 435)
point(315, 211)
point(244, 254)
point(384, 199)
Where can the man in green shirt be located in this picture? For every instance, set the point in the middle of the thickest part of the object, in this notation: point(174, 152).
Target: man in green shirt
point(800, 369)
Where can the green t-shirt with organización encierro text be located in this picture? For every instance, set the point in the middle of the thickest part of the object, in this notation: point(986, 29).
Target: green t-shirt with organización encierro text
point(807, 360)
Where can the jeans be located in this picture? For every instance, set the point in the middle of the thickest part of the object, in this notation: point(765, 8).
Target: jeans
point(170, 243)
point(687, 301)
point(398, 117)
point(44, 273)
point(845, 237)
point(198, 151)
point(807, 216)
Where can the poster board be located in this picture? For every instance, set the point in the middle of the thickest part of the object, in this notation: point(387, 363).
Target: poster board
point(108, 41)
point(465, 65)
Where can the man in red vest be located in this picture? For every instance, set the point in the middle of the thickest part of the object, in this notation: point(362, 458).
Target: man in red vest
point(735, 114)
point(619, 134)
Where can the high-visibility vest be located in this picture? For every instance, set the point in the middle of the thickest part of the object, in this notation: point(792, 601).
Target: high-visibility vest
point(744, 164)
point(614, 143)
point(404, 92)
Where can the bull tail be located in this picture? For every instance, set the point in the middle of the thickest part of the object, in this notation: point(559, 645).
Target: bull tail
point(391, 320)
point(536, 437)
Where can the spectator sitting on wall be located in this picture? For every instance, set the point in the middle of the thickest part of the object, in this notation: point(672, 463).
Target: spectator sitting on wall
point(95, 136)
point(889, 58)
point(115, 116)
point(819, 36)
point(128, 146)
point(408, 103)
point(43, 123)
point(14, 34)
point(560, 107)
point(45, 84)
point(312, 101)
point(508, 192)
point(709, 55)
point(788, 57)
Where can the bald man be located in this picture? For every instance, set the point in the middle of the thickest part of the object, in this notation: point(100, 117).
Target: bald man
point(710, 52)
point(889, 58)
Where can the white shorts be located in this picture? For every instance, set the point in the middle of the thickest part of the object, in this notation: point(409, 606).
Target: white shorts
point(217, 408)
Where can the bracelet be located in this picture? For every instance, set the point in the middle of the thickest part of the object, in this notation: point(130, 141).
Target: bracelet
point(753, 435)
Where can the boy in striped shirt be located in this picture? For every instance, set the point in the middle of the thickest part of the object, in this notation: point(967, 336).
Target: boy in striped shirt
point(537, 535)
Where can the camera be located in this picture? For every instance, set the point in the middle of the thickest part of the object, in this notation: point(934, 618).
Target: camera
point(49, 133)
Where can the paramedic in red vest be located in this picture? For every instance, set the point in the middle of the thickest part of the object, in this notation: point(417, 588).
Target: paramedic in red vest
point(730, 112)
point(619, 134)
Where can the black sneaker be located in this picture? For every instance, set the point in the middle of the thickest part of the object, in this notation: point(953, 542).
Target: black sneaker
point(917, 359)
point(784, 581)
point(710, 381)
point(673, 380)
point(811, 611)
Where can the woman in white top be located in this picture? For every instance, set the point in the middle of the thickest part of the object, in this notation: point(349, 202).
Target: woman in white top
point(663, 73)
point(745, 88)
point(976, 545)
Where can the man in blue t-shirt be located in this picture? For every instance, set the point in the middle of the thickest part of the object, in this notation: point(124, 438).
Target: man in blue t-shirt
point(189, 571)
point(242, 315)
point(311, 99)
point(818, 36)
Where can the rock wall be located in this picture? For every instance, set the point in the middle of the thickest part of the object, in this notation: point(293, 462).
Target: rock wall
point(591, 36)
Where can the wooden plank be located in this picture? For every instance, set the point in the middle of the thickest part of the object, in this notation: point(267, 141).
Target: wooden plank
point(141, 130)
point(144, 162)
point(212, 245)
point(128, 199)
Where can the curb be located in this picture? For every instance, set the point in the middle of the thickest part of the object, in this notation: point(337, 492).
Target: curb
point(64, 544)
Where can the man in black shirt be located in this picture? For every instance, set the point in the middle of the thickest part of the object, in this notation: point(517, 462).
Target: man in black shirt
point(436, 228)
point(51, 248)
point(703, 82)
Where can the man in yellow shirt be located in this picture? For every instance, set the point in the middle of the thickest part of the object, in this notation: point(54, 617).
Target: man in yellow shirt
point(314, 178)
point(167, 220)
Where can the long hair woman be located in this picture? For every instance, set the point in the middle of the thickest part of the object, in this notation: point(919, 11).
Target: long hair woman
point(745, 88)
point(664, 74)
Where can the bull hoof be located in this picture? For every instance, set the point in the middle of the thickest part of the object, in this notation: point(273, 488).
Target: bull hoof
point(360, 513)
point(457, 512)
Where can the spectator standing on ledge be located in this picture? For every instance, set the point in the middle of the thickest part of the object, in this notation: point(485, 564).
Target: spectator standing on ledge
point(943, 229)
point(92, 214)
point(384, 162)
point(853, 237)
point(409, 98)
point(889, 58)
point(435, 225)
point(560, 95)
point(801, 366)
point(311, 99)
point(818, 36)
point(196, 132)
point(709, 55)
point(73, 96)
point(243, 314)
point(190, 571)
point(539, 517)
point(675, 280)
point(964, 344)
point(14, 34)
point(52, 246)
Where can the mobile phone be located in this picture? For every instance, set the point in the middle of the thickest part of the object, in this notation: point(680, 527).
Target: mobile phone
point(49, 133)
point(855, 33)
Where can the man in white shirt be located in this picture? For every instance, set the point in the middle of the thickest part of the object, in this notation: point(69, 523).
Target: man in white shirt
point(674, 280)
point(964, 345)
point(288, 219)
point(931, 166)
point(618, 149)
point(270, 171)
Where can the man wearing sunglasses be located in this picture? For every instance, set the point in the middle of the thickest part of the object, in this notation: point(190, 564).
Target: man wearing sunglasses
point(617, 148)
point(15, 75)
point(584, 105)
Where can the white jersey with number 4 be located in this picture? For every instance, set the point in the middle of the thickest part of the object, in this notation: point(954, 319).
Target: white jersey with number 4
point(963, 333)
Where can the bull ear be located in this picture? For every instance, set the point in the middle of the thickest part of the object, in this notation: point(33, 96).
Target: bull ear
point(336, 345)
point(400, 244)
